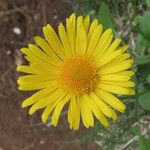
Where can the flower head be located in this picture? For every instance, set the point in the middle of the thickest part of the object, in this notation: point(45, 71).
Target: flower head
point(81, 67)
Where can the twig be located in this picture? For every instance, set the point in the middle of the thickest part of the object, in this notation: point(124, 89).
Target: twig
point(8, 12)
point(135, 138)
point(129, 142)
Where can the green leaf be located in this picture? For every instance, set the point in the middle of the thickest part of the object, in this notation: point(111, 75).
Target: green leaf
point(145, 25)
point(142, 43)
point(144, 97)
point(140, 60)
point(143, 40)
point(148, 2)
point(143, 72)
point(105, 16)
point(148, 79)
point(144, 143)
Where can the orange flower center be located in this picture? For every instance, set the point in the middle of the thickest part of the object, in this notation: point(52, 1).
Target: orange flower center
point(78, 74)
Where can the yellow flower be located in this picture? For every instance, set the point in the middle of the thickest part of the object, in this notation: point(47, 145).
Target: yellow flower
point(82, 68)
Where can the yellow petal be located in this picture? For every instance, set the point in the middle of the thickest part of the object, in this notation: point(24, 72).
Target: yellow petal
point(119, 76)
point(71, 111)
point(86, 113)
point(44, 68)
point(123, 48)
point(33, 58)
point(94, 24)
point(103, 44)
point(110, 56)
point(39, 70)
point(64, 39)
point(29, 86)
point(47, 49)
point(54, 41)
point(40, 54)
point(131, 91)
point(51, 106)
point(33, 86)
point(123, 56)
point(103, 107)
point(126, 73)
point(97, 112)
point(36, 78)
point(115, 66)
point(103, 119)
point(47, 100)
point(81, 39)
point(70, 116)
point(114, 89)
point(74, 112)
point(27, 69)
point(58, 109)
point(111, 100)
point(37, 96)
point(47, 112)
point(71, 32)
point(113, 46)
point(77, 112)
point(86, 23)
point(119, 83)
point(93, 39)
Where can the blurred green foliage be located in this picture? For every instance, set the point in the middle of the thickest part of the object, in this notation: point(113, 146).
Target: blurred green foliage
point(144, 143)
point(105, 17)
point(130, 20)
point(143, 41)
point(148, 2)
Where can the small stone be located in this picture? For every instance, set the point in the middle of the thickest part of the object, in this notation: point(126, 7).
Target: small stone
point(42, 142)
point(8, 52)
point(48, 124)
point(17, 30)
point(55, 17)
point(18, 58)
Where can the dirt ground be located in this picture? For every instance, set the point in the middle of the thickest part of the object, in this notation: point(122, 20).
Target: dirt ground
point(20, 21)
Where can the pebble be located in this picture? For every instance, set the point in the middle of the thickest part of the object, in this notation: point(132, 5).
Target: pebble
point(8, 52)
point(17, 30)
point(49, 124)
point(55, 17)
point(42, 142)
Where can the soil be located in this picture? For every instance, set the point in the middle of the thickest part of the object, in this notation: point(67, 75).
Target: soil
point(20, 21)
